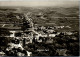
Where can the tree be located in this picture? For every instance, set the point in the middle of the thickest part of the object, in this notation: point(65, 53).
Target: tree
point(4, 32)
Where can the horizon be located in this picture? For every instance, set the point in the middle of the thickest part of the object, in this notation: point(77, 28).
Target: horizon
point(41, 3)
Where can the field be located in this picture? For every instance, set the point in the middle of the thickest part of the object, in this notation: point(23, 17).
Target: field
point(43, 16)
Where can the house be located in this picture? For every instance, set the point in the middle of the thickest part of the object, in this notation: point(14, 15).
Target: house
point(50, 31)
point(2, 53)
point(62, 52)
point(52, 35)
point(29, 53)
point(15, 33)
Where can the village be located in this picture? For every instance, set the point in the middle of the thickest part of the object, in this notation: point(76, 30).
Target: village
point(26, 36)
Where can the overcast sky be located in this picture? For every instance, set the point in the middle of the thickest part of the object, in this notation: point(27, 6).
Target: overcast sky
point(39, 3)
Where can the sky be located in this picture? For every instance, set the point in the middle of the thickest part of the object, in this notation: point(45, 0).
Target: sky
point(39, 3)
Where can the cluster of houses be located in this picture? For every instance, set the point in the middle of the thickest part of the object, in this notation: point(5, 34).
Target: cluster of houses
point(31, 34)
